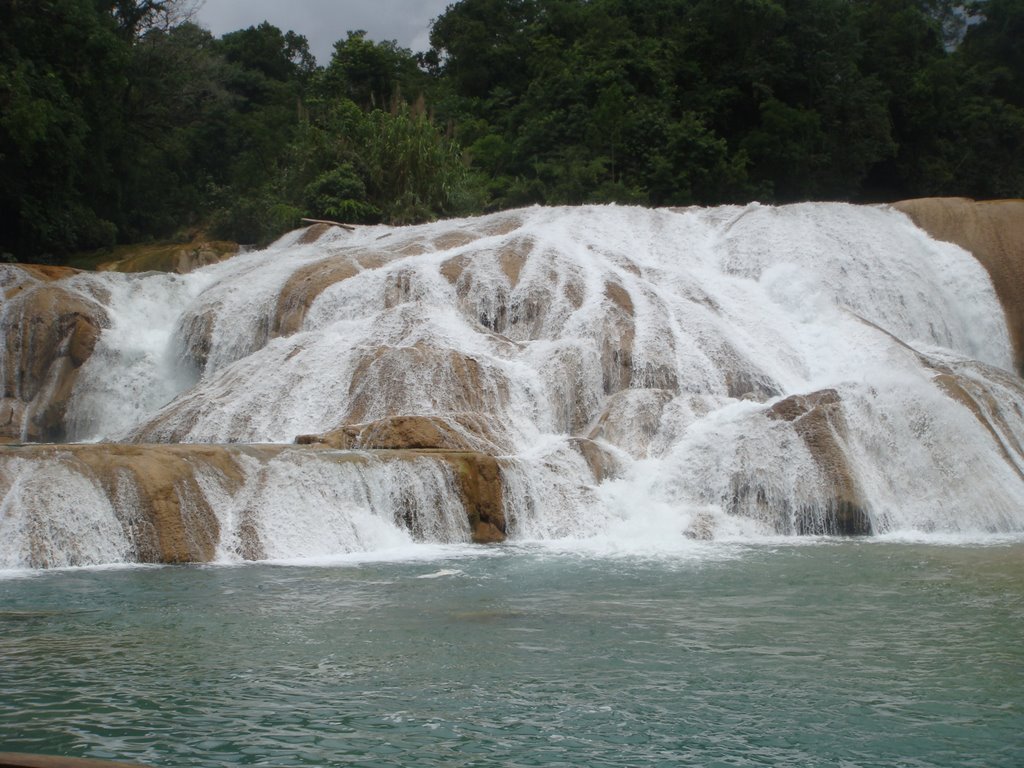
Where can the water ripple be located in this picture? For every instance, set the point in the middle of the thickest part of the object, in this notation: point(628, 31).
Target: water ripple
point(892, 655)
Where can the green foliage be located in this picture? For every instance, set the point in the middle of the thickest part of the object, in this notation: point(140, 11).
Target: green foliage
point(59, 125)
point(413, 172)
point(726, 100)
point(121, 120)
point(370, 74)
point(340, 195)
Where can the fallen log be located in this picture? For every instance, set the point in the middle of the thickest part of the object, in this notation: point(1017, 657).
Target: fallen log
point(349, 227)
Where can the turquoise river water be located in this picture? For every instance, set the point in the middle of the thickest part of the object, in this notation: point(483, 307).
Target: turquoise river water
point(823, 653)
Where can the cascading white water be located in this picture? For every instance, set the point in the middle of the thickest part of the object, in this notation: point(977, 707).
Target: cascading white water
point(134, 369)
point(663, 338)
point(53, 515)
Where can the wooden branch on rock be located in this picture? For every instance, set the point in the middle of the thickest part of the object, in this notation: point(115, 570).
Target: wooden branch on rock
point(24, 760)
point(349, 227)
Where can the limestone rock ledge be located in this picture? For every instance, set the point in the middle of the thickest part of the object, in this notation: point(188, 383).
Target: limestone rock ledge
point(48, 332)
point(462, 440)
point(993, 231)
point(83, 504)
point(455, 432)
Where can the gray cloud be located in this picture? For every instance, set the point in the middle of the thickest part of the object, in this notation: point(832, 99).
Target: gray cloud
point(325, 21)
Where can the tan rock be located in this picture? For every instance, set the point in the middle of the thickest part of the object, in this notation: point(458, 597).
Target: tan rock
point(453, 270)
point(462, 440)
point(12, 412)
point(987, 407)
point(602, 462)
point(480, 486)
point(172, 522)
point(197, 336)
point(512, 257)
point(619, 296)
point(308, 282)
point(392, 379)
point(500, 224)
point(993, 231)
point(302, 289)
point(454, 238)
point(701, 527)
point(49, 332)
point(456, 432)
point(617, 339)
point(153, 490)
point(818, 419)
point(499, 314)
point(36, 272)
point(313, 233)
point(631, 418)
point(166, 516)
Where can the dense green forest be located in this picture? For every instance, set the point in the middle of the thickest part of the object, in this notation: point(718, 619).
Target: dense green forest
point(124, 121)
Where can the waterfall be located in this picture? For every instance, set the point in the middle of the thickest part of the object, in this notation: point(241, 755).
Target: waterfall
point(666, 375)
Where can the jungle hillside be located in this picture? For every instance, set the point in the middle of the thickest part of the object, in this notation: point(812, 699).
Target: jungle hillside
point(123, 121)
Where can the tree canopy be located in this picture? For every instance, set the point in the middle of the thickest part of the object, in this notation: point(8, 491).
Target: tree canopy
point(122, 120)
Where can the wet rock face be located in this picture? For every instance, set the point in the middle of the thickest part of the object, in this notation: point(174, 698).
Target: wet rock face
point(480, 486)
point(631, 419)
point(49, 332)
point(986, 403)
point(993, 231)
point(463, 441)
point(194, 503)
point(818, 419)
point(307, 283)
point(457, 432)
point(148, 497)
point(389, 380)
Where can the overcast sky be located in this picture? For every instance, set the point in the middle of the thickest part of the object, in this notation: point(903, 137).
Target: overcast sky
point(325, 21)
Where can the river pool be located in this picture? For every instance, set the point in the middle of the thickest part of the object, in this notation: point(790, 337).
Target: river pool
point(777, 653)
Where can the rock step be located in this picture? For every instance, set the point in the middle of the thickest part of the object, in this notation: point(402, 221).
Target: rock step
point(161, 499)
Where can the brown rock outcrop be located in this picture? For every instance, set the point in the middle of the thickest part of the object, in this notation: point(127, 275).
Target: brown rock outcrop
point(172, 521)
point(631, 418)
point(172, 257)
point(496, 313)
point(617, 340)
point(303, 287)
point(456, 432)
point(159, 494)
point(464, 441)
point(308, 282)
point(392, 379)
point(314, 233)
point(196, 329)
point(482, 491)
point(992, 230)
point(992, 411)
point(49, 332)
point(602, 462)
point(22, 274)
point(701, 527)
point(818, 419)
point(153, 490)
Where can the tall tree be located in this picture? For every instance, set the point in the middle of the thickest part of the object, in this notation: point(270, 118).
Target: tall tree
point(62, 71)
point(371, 74)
